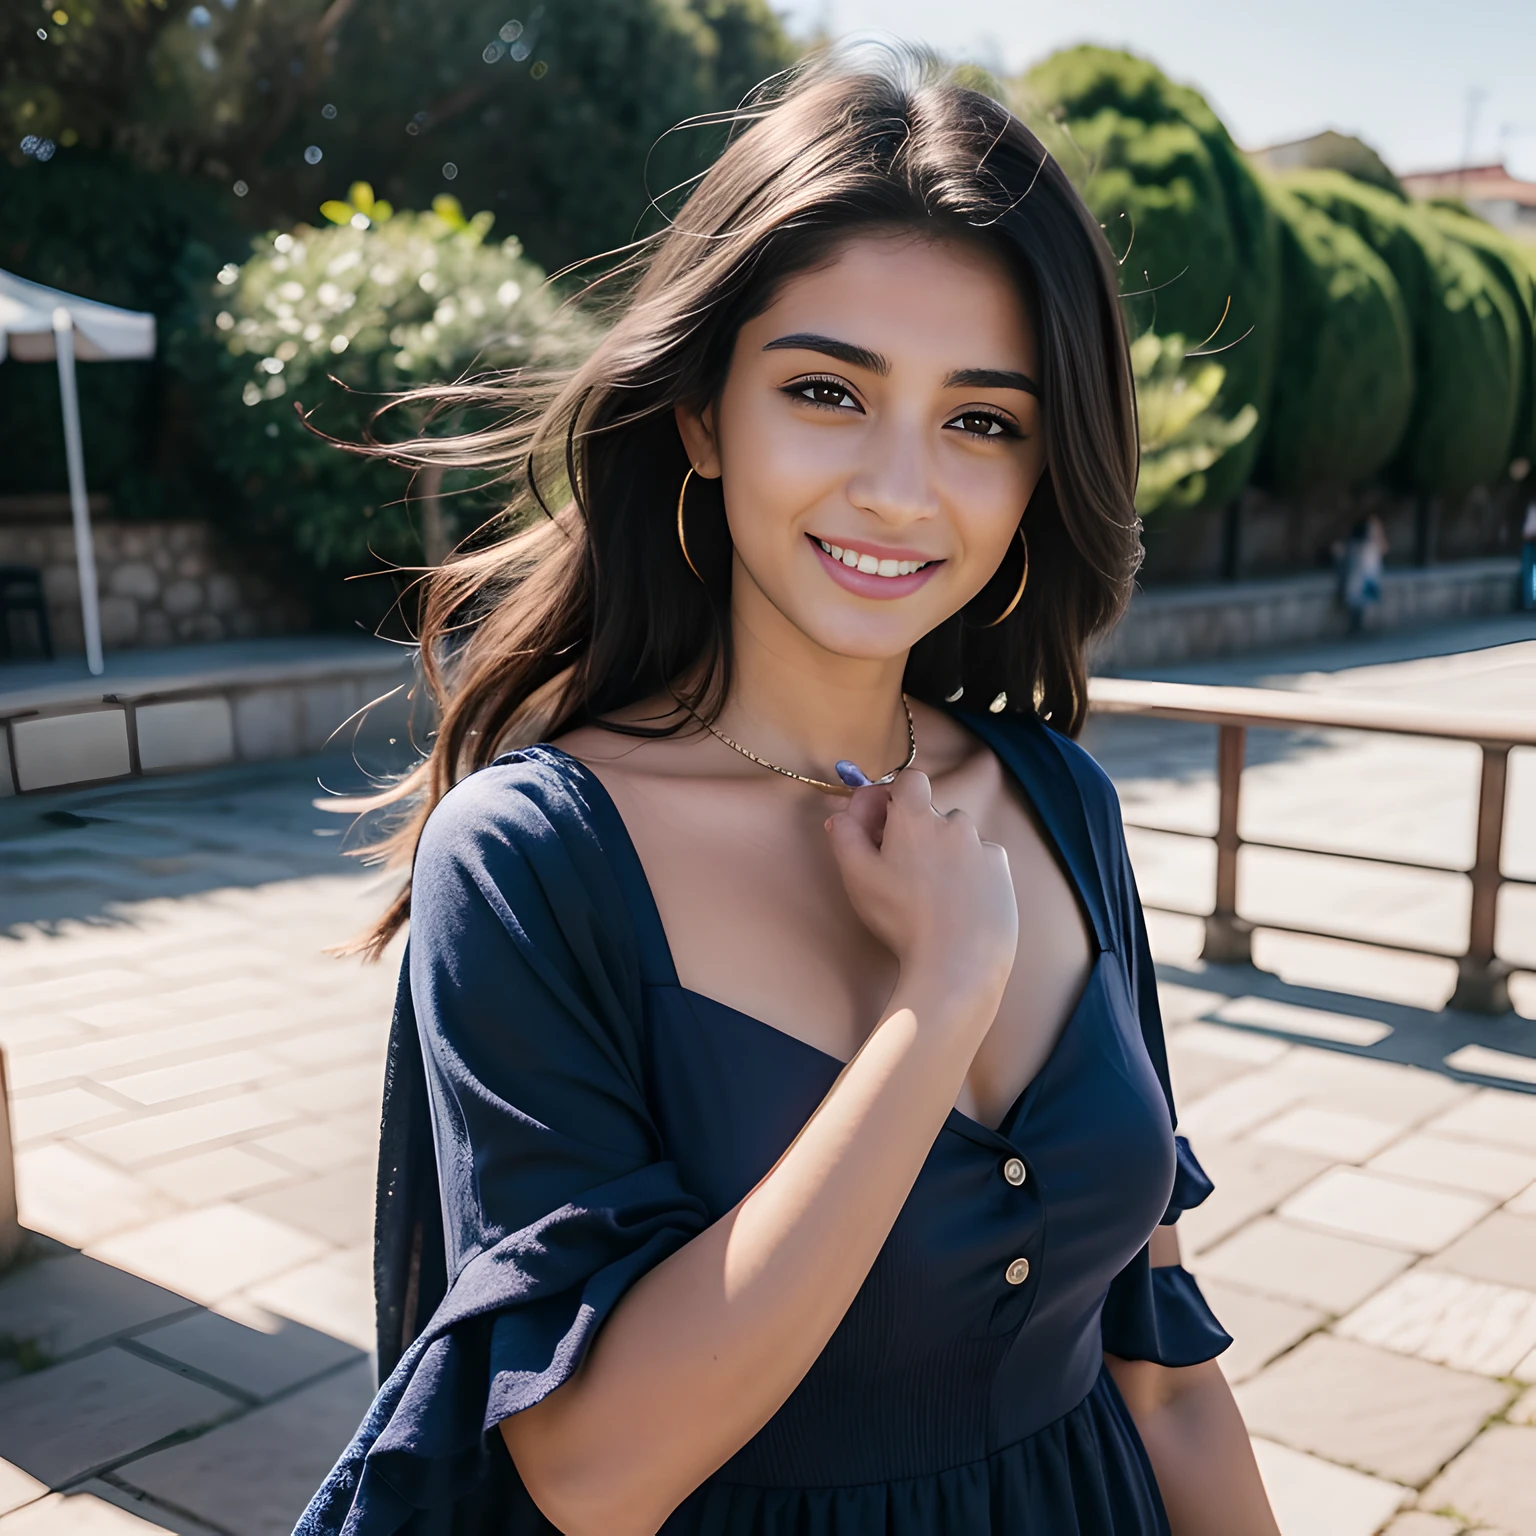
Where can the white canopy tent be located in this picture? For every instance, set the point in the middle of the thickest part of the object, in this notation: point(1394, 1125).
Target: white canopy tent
point(38, 323)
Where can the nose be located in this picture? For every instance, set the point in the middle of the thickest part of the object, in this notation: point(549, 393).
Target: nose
point(894, 478)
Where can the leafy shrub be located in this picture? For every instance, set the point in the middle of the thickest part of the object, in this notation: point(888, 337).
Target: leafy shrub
point(1466, 369)
point(1344, 382)
point(331, 322)
point(1179, 199)
point(1182, 434)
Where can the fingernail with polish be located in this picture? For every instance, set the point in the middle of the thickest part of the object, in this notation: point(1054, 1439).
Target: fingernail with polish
point(851, 774)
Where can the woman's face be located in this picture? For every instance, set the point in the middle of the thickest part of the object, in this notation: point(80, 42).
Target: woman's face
point(879, 439)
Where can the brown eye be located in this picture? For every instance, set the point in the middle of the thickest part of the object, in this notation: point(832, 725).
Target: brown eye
point(828, 393)
point(979, 425)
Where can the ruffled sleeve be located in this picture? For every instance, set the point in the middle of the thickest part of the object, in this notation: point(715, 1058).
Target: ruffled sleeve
point(524, 981)
point(1158, 1314)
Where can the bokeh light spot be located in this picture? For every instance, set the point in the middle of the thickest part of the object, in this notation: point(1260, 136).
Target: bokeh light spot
point(510, 31)
point(314, 155)
point(450, 170)
point(241, 188)
point(328, 111)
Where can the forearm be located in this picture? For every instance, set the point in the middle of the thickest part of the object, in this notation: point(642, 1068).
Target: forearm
point(1198, 1447)
point(705, 1348)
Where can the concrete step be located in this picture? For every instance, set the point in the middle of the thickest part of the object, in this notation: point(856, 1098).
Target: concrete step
point(194, 706)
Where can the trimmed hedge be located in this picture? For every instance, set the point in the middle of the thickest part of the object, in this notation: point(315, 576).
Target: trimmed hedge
point(1179, 199)
point(1344, 379)
point(1515, 269)
point(1465, 336)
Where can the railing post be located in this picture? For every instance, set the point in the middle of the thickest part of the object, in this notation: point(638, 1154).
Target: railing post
point(1482, 981)
point(1228, 939)
point(11, 1235)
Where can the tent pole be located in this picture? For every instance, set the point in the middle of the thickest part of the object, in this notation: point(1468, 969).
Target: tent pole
point(80, 511)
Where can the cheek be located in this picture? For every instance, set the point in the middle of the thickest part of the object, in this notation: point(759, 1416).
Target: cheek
point(989, 496)
point(775, 472)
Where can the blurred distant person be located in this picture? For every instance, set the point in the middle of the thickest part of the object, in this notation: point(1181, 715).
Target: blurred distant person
point(1361, 558)
point(1528, 558)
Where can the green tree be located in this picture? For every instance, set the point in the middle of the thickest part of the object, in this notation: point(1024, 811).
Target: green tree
point(545, 115)
point(1465, 337)
point(1178, 199)
point(1344, 383)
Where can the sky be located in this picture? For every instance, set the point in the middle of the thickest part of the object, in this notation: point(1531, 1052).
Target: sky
point(1411, 77)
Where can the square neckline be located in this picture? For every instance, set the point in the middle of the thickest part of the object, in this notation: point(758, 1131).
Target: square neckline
point(1056, 844)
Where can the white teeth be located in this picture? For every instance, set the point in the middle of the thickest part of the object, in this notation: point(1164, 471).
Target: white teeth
point(871, 565)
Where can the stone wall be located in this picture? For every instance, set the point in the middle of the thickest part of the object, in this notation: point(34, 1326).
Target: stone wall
point(160, 583)
point(1262, 535)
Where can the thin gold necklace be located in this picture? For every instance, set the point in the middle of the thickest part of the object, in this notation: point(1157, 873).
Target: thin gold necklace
point(800, 778)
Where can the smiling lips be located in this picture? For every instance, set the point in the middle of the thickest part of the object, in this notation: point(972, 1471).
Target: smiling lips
point(872, 574)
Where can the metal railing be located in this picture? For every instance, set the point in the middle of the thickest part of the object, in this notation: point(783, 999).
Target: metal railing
point(1482, 982)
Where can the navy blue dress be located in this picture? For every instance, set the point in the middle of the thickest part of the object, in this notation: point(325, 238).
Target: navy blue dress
point(572, 1115)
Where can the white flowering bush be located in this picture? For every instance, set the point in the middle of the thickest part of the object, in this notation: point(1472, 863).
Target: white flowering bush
point(335, 320)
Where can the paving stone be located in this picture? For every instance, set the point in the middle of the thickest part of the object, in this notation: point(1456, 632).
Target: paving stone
point(223, 1174)
point(1502, 1249)
point(322, 1145)
point(17, 1488)
point(1240, 1105)
point(1331, 1133)
point(1382, 1089)
point(86, 1414)
point(221, 1070)
point(1442, 1317)
point(1261, 1326)
point(337, 1207)
point(346, 1042)
point(155, 1515)
point(1385, 1210)
point(71, 983)
point(340, 1088)
point(64, 1304)
point(1433, 1159)
point(82, 1513)
point(1313, 1023)
point(77, 1199)
point(1250, 1178)
point(1524, 1204)
point(1418, 1523)
point(1316, 1269)
point(1384, 1413)
point(179, 1130)
point(34, 1116)
point(1312, 1497)
point(210, 1253)
point(1491, 1480)
point(334, 1294)
point(1493, 1115)
point(1524, 1411)
point(260, 1354)
point(255, 1476)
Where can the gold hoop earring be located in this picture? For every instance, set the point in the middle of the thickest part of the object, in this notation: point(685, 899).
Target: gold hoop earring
point(681, 538)
point(1023, 582)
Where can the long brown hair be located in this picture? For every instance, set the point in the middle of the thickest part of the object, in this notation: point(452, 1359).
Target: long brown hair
point(589, 605)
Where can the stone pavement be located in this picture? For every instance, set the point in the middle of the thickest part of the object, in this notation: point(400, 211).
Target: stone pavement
point(195, 1089)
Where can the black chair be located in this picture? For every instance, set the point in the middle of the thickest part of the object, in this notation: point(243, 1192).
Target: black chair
point(21, 595)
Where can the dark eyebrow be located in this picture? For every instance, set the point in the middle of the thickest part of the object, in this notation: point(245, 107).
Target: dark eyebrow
point(992, 378)
point(843, 351)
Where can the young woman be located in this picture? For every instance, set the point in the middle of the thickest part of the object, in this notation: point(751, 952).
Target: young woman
point(763, 1158)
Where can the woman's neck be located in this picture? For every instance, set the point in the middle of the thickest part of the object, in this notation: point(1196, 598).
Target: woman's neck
point(804, 707)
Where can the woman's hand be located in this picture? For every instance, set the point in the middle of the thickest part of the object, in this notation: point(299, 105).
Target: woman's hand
point(927, 886)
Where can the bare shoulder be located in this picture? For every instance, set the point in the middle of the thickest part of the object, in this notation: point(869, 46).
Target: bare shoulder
point(622, 744)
